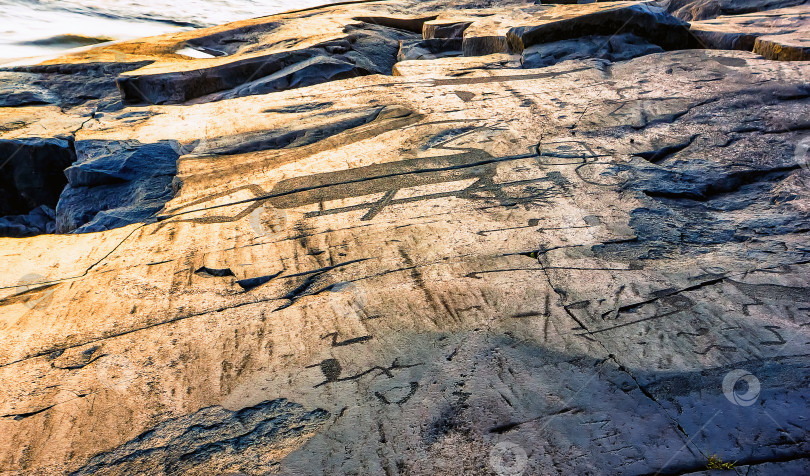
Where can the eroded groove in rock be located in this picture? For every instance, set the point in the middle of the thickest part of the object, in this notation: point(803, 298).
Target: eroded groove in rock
point(253, 142)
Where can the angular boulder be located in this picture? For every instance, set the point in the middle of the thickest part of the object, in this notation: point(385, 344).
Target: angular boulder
point(645, 20)
point(113, 184)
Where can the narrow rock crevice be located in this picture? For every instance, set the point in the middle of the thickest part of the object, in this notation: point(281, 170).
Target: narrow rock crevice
point(723, 185)
point(31, 181)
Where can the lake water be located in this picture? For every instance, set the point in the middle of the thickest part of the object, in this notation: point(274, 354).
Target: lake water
point(44, 27)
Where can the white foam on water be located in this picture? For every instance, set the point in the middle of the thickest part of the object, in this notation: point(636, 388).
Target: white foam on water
point(34, 28)
point(192, 53)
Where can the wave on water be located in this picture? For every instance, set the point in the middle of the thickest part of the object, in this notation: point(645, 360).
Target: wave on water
point(68, 41)
point(43, 27)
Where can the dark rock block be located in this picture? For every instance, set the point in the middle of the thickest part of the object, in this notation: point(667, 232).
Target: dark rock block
point(429, 49)
point(414, 25)
point(612, 48)
point(646, 21)
point(178, 87)
point(70, 85)
point(18, 89)
point(690, 10)
point(443, 29)
point(367, 49)
point(230, 42)
point(316, 70)
point(104, 163)
point(375, 48)
point(116, 184)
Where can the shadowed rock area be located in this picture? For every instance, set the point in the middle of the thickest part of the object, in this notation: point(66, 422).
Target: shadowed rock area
point(413, 238)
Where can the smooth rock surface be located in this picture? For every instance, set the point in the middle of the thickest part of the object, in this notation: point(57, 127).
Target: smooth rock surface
point(460, 266)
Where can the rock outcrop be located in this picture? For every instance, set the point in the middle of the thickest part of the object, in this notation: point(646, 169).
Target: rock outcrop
point(411, 237)
point(740, 32)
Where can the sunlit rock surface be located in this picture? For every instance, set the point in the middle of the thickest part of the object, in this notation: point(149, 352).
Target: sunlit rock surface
point(333, 248)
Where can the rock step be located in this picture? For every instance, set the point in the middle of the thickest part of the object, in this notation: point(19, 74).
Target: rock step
point(790, 47)
point(366, 49)
point(643, 20)
point(740, 32)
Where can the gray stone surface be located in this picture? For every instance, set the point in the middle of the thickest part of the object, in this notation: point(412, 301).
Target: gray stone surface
point(644, 19)
point(599, 266)
point(612, 48)
point(690, 10)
